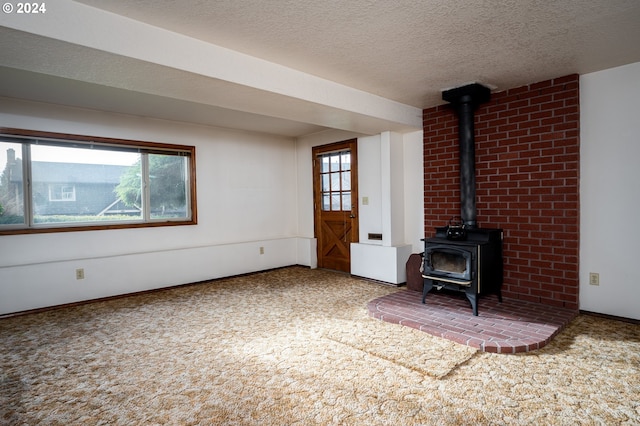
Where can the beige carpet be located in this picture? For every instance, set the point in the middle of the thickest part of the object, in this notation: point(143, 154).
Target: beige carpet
point(296, 347)
point(428, 355)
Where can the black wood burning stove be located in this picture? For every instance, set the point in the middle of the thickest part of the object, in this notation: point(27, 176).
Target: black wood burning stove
point(471, 261)
point(473, 266)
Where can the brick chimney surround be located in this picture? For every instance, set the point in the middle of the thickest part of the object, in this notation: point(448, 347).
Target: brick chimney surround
point(527, 183)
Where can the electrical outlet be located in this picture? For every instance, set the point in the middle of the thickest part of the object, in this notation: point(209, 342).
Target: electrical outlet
point(261, 250)
point(80, 274)
point(594, 278)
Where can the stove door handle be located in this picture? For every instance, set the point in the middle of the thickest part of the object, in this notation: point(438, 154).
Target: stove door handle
point(429, 277)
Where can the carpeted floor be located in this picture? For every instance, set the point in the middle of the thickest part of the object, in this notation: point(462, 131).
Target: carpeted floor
point(296, 346)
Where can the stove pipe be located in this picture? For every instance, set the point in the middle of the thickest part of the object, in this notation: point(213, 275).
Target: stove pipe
point(466, 99)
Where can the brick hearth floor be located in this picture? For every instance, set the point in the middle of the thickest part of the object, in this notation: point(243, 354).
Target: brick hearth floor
point(508, 327)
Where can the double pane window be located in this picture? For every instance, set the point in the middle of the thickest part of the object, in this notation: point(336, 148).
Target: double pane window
point(65, 183)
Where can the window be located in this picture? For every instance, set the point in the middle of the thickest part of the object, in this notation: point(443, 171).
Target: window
point(62, 193)
point(52, 182)
point(335, 175)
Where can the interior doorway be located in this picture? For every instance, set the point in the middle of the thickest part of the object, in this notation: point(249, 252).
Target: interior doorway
point(335, 184)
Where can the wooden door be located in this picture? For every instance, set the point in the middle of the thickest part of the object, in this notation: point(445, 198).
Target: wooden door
point(335, 181)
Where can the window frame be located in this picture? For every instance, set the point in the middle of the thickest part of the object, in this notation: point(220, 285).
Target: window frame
point(53, 190)
point(329, 174)
point(83, 141)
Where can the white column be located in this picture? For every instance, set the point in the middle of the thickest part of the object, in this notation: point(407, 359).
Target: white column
point(386, 261)
point(392, 188)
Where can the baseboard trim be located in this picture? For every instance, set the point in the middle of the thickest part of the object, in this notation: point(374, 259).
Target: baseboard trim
point(135, 293)
point(373, 280)
point(611, 317)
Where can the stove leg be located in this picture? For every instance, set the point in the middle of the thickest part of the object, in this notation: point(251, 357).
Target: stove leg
point(473, 298)
point(427, 285)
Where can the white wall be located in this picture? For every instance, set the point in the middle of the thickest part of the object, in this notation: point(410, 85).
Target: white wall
point(253, 191)
point(388, 177)
point(247, 199)
point(402, 157)
point(609, 192)
point(414, 190)
point(370, 189)
point(404, 185)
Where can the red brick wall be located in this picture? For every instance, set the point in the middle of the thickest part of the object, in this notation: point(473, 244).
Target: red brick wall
point(527, 177)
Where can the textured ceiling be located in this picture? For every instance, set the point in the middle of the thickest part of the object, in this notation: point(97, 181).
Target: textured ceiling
point(408, 50)
point(401, 50)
